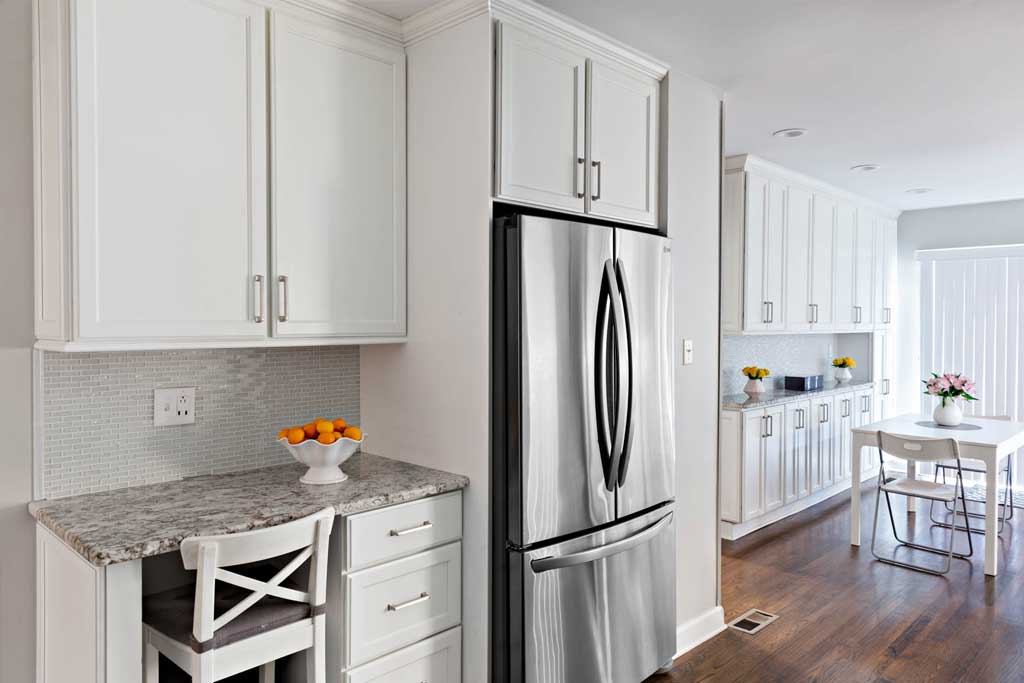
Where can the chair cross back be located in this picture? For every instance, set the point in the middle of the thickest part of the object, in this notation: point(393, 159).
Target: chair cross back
point(208, 555)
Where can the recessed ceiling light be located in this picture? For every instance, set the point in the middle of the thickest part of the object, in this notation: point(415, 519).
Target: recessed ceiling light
point(919, 190)
point(865, 168)
point(790, 133)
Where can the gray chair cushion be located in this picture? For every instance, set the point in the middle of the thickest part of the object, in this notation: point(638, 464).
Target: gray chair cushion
point(171, 613)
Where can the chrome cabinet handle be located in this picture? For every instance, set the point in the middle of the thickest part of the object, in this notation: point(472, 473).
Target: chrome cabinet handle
point(888, 315)
point(576, 174)
point(597, 165)
point(771, 311)
point(282, 286)
point(815, 312)
point(885, 387)
point(411, 530)
point(764, 312)
point(771, 425)
point(423, 597)
point(258, 298)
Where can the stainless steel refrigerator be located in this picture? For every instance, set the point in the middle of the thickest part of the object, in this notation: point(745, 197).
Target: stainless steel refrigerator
point(583, 476)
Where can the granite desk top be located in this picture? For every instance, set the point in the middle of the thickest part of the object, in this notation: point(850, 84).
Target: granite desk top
point(771, 398)
point(132, 523)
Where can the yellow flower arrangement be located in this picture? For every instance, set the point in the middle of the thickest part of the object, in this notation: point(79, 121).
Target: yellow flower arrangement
point(846, 362)
point(754, 372)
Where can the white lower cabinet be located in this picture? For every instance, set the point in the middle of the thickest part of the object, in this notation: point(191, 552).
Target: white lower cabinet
point(394, 594)
point(434, 660)
point(778, 460)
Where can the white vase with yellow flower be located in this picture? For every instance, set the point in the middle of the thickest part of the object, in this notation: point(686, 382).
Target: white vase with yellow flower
point(755, 377)
point(842, 366)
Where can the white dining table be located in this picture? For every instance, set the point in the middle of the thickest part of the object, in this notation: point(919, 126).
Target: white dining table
point(987, 440)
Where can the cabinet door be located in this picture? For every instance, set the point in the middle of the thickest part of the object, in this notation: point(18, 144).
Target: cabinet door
point(796, 451)
point(796, 272)
point(755, 427)
point(885, 273)
point(171, 159)
point(541, 113)
point(864, 414)
point(774, 462)
point(881, 363)
point(844, 260)
point(623, 171)
point(822, 446)
point(338, 182)
point(822, 252)
point(765, 254)
point(864, 270)
point(844, 406)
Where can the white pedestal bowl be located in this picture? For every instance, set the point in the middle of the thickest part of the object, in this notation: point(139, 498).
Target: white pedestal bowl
point(323, 461)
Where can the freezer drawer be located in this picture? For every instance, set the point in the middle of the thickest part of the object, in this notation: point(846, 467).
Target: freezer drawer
point(600, 608)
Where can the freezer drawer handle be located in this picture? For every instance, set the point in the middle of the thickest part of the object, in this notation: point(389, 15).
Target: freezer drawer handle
point(423, 597)
point(544, 564)
point(411, 530)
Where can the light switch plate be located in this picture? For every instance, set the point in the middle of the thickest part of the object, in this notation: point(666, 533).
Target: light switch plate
point(687, 351)
point(174, 406)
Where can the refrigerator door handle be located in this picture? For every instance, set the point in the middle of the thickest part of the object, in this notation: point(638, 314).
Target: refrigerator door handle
point(604, 422)
point(626, 393)
point(544, 564)
point(622, 380)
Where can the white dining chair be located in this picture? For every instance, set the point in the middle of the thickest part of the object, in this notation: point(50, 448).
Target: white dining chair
point(977, 467)
point(924, 451)
point(249, 623)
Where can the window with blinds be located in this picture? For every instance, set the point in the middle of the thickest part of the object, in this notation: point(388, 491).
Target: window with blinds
point(972, 321)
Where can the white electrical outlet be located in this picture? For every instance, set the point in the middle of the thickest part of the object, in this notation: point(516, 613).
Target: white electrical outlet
point(174, 406)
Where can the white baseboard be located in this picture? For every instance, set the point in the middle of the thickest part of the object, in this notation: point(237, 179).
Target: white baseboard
point(702, 627)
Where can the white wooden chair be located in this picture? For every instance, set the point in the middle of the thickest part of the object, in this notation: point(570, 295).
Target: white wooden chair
point(977, 467)
point(920, 450)
point(212, 636)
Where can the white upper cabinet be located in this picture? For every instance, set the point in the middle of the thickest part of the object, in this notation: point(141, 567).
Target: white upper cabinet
point(799, 315)
point(800, 256)
point(623, 144)
point(577, 124)
point(541, 115)
point(822, 299)
point(155, 114)
point(337, 182)
point(171, 159)
point(864, 271)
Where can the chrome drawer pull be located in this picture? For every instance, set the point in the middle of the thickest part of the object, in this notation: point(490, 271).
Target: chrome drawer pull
point(411, 530)
point(409, 603)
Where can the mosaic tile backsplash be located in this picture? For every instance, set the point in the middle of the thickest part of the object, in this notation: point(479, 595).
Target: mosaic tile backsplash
point(790, 354)
point(97, 421)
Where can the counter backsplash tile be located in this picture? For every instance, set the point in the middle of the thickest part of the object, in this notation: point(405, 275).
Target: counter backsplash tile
point(789, 354)
point(97, 420)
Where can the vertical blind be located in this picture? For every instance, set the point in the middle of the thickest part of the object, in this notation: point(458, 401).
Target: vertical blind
point(972, 321)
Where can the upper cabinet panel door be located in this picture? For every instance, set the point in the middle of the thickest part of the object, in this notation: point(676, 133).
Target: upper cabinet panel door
point(885, 272)
point(623, 172)
point(755, 307)
point(799, 314)
point(541, 116)
point(337, 182)
point(171, 159)
point(822, 254)
point(775, 255)
point(864, 270)
point(843, 272)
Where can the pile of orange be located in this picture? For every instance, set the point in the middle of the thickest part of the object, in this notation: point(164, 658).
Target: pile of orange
point(324, 431)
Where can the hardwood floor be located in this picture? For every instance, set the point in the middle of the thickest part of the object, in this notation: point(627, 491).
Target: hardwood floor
point(846, 617)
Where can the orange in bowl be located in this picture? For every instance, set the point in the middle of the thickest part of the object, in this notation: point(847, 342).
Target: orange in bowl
point(296, 435)
point(353, 433)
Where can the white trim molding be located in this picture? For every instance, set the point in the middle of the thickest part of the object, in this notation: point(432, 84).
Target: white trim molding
point(965, 253)
point(439, 17)
point(701, 628)
point(749, 162)
point(531, 14)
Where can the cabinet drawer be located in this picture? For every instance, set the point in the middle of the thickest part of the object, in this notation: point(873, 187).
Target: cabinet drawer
point(388, 533)
point(437, 660)
point(398, 603)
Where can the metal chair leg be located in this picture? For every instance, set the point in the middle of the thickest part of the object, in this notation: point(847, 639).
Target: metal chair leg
point(1004, 514)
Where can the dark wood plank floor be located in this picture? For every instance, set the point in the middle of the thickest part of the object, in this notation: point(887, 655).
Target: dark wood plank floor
point(845, 617)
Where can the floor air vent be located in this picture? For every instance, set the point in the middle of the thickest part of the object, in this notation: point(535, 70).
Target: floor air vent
point(752, 621)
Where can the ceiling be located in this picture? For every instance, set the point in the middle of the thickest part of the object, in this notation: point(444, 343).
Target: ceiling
point(932, 90)
point(397, 9)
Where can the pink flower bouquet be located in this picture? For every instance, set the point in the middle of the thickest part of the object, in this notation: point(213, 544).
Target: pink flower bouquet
point(949, 387)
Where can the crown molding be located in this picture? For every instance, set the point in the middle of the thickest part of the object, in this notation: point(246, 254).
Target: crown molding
point(749, 162)
point(354, 15)
point(563, 28)
point(439, 17)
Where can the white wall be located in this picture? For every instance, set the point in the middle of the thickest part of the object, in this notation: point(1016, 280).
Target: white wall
point(17, 560)
point(972, 225)
point(427, 401)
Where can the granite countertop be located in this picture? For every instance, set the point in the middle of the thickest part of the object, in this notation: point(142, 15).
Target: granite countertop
point(775, 397)
point(132, 523)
